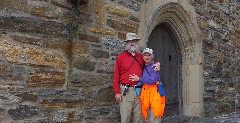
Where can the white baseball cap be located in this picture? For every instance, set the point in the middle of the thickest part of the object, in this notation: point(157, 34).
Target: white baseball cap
point(148, 50)
point(131, 36)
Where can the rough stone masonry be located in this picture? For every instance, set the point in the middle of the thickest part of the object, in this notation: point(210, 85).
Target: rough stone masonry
point(39, 82)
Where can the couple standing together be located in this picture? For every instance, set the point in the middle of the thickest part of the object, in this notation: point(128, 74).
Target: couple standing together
point(135, 84)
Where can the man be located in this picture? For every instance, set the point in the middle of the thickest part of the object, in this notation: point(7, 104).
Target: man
point(129, 62)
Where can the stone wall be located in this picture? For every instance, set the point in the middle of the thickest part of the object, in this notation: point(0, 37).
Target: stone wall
point(219, 21)
point(57, 62)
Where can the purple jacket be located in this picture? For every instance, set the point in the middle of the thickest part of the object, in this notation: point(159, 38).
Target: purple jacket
point(150, 76)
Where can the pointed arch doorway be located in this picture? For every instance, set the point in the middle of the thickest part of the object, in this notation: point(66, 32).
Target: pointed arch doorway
point(174, 34)
point(166, 50)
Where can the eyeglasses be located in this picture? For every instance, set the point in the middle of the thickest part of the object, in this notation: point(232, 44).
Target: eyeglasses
point(132, 41)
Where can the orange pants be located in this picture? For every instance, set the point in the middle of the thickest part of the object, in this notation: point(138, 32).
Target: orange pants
point(150, 97)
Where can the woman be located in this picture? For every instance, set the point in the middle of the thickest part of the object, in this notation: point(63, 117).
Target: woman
point(151, 101)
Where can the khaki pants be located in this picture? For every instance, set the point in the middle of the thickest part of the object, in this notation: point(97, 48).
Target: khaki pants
point(130, 107)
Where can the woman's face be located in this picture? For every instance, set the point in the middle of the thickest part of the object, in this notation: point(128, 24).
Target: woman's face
point(147, 57)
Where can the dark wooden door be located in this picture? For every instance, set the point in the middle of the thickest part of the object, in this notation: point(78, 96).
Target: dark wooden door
point(166, 51)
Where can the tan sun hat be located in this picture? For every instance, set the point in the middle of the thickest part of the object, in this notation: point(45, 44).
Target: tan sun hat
point(131, 36)
point(148, 50)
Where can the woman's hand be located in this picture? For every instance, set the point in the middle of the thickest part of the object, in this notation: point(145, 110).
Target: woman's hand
point(133, 77)
point(157, 66)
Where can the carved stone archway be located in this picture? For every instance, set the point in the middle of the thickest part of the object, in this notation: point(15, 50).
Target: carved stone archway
point(189, 39)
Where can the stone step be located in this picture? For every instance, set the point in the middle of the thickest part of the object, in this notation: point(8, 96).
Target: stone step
point(230, 118)
point(186, 119)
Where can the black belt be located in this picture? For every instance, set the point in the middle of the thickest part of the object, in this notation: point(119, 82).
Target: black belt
point(129, 85)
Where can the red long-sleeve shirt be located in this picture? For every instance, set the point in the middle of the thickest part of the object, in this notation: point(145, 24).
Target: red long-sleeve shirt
point(126, 65)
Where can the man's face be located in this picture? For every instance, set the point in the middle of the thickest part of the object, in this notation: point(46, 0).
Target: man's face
point(131, 45)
